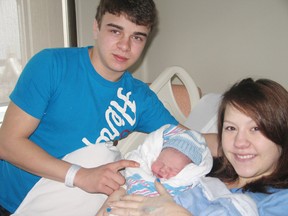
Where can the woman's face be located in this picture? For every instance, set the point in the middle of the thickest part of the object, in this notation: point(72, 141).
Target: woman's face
point(251, 154)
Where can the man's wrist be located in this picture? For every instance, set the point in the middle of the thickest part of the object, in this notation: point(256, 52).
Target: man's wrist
point(70, 175)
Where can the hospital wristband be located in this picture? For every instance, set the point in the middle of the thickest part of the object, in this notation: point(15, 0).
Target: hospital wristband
point(70, 175)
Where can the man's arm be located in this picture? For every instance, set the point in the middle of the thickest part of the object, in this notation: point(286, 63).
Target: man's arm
point(212, 142)
point(16, 148)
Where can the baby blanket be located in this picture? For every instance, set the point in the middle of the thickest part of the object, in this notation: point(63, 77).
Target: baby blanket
point(140, 178)
point(50, 197)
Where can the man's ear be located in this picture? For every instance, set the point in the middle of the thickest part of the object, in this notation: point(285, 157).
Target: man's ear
point(95, 29)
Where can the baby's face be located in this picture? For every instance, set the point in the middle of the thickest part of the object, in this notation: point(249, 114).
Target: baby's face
point(169, 163)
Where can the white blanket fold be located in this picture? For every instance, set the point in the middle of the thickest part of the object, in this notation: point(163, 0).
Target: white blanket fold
point(215, 189)
point(49, 197)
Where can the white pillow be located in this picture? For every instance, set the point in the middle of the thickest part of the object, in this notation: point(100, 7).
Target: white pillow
point(203, 117)
point(50, 197)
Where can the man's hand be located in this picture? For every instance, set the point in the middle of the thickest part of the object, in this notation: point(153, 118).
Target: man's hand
point(103, 179)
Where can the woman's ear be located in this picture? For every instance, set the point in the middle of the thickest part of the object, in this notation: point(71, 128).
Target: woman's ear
point(95, 29)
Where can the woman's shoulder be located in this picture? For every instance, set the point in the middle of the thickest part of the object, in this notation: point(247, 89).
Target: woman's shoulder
point(273, 203)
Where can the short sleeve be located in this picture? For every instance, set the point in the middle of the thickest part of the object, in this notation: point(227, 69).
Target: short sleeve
point(33, 89)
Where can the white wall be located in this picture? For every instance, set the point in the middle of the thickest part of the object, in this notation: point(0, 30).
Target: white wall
point(41, 23)
point(217, 41)
point(85, 13)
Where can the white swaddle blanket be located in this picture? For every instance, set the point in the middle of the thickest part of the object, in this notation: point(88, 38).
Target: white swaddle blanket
point(147, 152)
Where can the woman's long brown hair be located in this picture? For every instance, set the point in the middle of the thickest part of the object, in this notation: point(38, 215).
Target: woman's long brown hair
point(266, 102)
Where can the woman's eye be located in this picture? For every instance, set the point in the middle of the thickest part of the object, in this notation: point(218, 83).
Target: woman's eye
point(255, 129)
point(229, 128)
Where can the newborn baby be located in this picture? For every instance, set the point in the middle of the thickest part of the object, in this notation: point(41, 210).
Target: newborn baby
point(176, 156)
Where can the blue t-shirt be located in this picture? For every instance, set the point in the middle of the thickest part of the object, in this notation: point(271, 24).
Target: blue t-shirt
point(76, 107)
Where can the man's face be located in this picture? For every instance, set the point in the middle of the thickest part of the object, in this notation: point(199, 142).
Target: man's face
point(119, 44)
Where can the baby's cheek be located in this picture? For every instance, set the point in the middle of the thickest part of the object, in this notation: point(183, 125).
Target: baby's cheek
point(154, 169)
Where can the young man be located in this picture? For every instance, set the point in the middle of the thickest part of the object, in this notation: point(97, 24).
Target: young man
point(68, 98)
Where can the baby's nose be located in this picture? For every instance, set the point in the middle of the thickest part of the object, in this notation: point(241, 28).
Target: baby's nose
point(163, 172)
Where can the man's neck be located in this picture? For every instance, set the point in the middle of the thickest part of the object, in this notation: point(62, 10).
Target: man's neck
point(102, 71)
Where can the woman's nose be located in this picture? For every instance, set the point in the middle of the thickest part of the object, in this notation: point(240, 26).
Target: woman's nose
point(241, 140)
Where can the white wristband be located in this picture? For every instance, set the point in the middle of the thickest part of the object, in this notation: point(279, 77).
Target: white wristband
point(70, 175)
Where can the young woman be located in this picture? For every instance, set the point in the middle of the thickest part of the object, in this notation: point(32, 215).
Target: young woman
point(253, 148)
